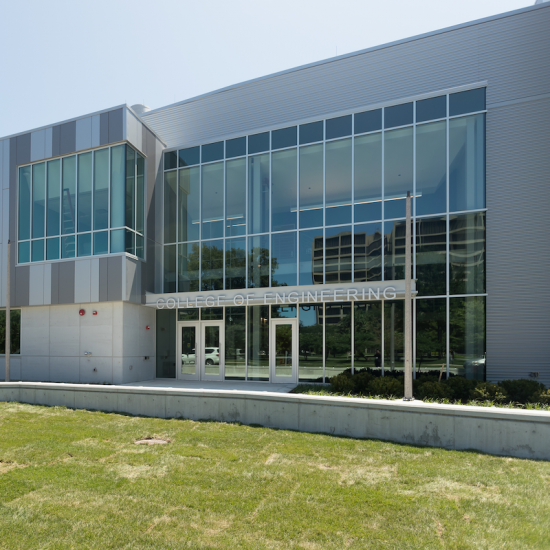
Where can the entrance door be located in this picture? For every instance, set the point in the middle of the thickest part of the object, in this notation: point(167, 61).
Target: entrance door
point(283, 351)
point(201, 350)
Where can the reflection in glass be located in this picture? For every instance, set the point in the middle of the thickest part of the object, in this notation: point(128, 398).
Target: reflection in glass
point(284, 335)
point(212, 314)
point(467, 163)
point(235, 343)
point(212, 265)
point(309, 133)
point(24, 252)
point(283, 190)
point(140, 248)
point(283, 259)
point(211, 350)
point(54, 196)
point(188, 363)
point(285, 137)
point(38, 199)
point(394, 329)
point(24, 204)
point(170, 160)
point(394, 250)
point(311, 186)
point(166, 343)
point(369, 121)
point(170, 204)
point(117, 186)
point(467, 102)
point(169, 267)
point(431, 254)
point(68, 220)
point(235, 198)
point(38, 250)
point(431, 334)
point(118, 241)
point(140, 192)
point(212, 151)
point(235, 263)
point(338, 255)
point(398, 171)
point(212, 201)
point(367, 328)
point(338, 182)
point(283, 312)
point(368, 178)
point(338, 127)
point(311, 257)
point(431, 109)
point(258, 143)
point(188, 204)
point(258, 343)
point(101, 242)
point(101, 189)
point(467, 253)
point(188, 314)
point(52, 249)
point(337, 338)
point(68, 247)
point(130, 242)
point(467, 337)
point(84, 244)
point(310, 352)
point(188, 267)
point(368, 252)
point(258, 194)
point(84, 192)
point(431, 168)
point(258, 261)
point(235, 147)
point(130, 188)
point(190, 156)
point(398, 115)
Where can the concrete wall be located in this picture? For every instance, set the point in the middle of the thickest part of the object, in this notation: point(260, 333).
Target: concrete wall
point(519, 433)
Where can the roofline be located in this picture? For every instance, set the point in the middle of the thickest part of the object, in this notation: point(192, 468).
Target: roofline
point(352, 54)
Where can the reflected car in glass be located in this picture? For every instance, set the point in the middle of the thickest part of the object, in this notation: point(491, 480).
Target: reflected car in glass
point(211, 357)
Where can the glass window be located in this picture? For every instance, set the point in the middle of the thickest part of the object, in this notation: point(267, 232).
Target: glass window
point(430, 109)
point(38, 250)
point(84, 187)
point(467, 337)
point(212, 201)
point(68, 221)
point(84, 247)
point(117, 186)
point(258, 343)
point(235, 343)
point(118, 241)
point(52, 249)
point(189, 157)
point(188, 204)
point(368, 252)
point(337, 338)
point(258, 143)
point(170, 205)
point(140, 192)
point(394, 250)
point(368, 178)
point(467, 253)
point(467, 102)
point(68, 248)
point(398, 115)
point(54, 198)
point(15, 331)
point(394, 330)
point(235, 198)
point(258, 194)
point(212, 152)
point(188, 314)
point(338, 255)
point(431, 334)
point(235, 147)
point(283, 312)
point(140, 247)
point(369, 121)
point(130, 242)
point(212, 314)
point(367, 326)
point(431, 168)
point(24, 252)
point(188, 267)
point(398, 171)
point(101, 242)
point(338, 182)
point(310, 364)
point(312, 132)
point(258, 261)
point(130, 188)
point(311, 186)
point(339, 127)
point(24, 203)
point(283, 259)
point(311, 257)
point(235, 263)
point(101, 189)
point(431, 254)
point(467, 163)
point(166, 343)
point(212, 265)
point(38, 200)
point(283, 190)
point(170, 160)
point(169, 268)
point(286, 137)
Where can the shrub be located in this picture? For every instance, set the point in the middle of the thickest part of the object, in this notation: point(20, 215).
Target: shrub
point(485, 391)
point(521, 391)
point(342, 383)
point(542, 397)
point(361, 381)
point(434, 390)
point(386, 386)
point(460, 387)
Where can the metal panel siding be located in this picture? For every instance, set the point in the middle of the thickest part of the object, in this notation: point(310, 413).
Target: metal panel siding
point(94, 280)
point(54, 294)
point(66, 282)
point(56, 137)
point(95, 130)
point(114, 279)
point(21, 280)
point(23, 149)
point(48, 144)
point(38, 145)
point(67, 138)
point(116, 123)
point(83, 133)
point(103, 279)
point(47, 284)
point(82, 281)
point(13, 190)
point(6, 165)
point(104, 128)
point(36, 285)
point(518, 256)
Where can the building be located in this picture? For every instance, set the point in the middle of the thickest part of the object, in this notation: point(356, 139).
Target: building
point(257, 232)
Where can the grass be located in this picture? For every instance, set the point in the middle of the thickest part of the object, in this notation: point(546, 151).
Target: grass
point(75, 479)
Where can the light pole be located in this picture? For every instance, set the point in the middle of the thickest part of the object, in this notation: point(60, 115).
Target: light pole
point(8, 320)
point(408, 306)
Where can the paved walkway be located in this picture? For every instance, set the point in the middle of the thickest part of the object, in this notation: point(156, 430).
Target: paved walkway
point(230, 385)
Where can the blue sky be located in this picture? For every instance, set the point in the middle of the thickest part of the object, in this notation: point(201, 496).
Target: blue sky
point(60, 59)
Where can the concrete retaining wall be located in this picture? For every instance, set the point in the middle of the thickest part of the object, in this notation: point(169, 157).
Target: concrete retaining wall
point(518, 433)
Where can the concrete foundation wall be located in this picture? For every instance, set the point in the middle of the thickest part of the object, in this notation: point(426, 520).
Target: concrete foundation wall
point(518, 433)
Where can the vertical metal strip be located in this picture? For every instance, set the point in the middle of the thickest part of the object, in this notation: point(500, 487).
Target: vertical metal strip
point(447, 252)
point(352, 204)
point(352, 305)
point(383, 228)
point(324, 339)
point(110, 149)
point(382, 351)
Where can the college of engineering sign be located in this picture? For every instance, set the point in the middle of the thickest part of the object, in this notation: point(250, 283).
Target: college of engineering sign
point(310, 294)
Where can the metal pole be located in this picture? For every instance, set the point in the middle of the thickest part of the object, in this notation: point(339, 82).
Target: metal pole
point(8, 319)
point(408, 306)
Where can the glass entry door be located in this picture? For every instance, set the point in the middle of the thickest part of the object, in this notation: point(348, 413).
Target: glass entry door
point(283, 358)
point(201, 350)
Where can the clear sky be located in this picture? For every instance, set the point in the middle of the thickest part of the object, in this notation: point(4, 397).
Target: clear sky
point(65, 58)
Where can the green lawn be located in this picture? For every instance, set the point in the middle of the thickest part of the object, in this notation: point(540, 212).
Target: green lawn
point(75, 479)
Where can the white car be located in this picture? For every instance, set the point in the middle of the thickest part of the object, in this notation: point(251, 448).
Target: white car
point(211, 357)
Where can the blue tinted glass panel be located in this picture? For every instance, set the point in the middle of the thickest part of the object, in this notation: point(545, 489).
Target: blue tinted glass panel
point(258, 143)
point(170, 205)
point(311, 186)
point(398, 171)
point(212, 152)
point(140, 247)
point(117, 186)
point(68, 247)
point(188, 267)
point(84, 218)
point(368, 178)
point(398, 115)
point(140, 192)
point(431, 256)
point(101, 242)
point(467, 102)
point(170, 160)
point(24, 252)
point(212, 265)
point(169, 268)
point(235, 147)
point(369, 121)
point(101, 189)
point(130, 188)
point(338, 245)
point(394, 250)
point(430, 109)
point(38, 250)
point(188, 157)
point(258, 261)
point(24, 203)
point(284, 262)
point(367, 243)
point(339, 127)
point(284, 172)
point(54, 198)
point(68, 200)
point(130, 242)
point(212, 201)
point(117, 241)
point(188, 203)
point(286, 137)
point(235, 199)
point(311, 132)
point(52, 249)
point(311, 343)
point(311, 257)
point(235, 263)
point(84, 247)
point(38, 200)
point(338, 182)
point(258, 194)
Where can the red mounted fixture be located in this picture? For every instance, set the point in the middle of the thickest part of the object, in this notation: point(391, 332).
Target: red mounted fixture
point(81, 312)
point(94, 312)
point(147, 327)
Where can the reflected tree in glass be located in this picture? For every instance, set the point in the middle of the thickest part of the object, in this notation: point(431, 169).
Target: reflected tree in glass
point(431, 334)
point(367, 334)
point(310, 352)
point(337, 338)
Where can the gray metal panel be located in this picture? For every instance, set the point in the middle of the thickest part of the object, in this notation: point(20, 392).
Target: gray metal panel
point(6, 165)
point(67, 138)
point(103, 279)
point(509, 52)
point(22, 285)
point(114, 278)
point(83, 133)
point(66, 282)
point(95, 130)
point(56, 136)
point(49, 143)
point(2, 164)
point(133, 279)
point(55, 284)
point(518, 256)
point(82, 280)
point(23, 145)
point(116, 126)
point(36, 284)
point(104, 128)
point(38, 145)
